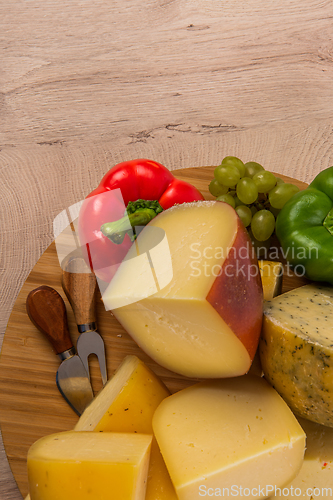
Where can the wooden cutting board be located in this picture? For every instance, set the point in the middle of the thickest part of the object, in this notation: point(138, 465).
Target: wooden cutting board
point(31, 405)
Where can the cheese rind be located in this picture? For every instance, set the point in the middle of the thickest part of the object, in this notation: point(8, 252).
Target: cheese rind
point(192, 325)
point(221, 433)
point(127, 404)
point(84, 465)
point(296, 350)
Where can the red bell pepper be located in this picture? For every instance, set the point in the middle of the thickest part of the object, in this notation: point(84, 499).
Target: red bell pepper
point(126, 182)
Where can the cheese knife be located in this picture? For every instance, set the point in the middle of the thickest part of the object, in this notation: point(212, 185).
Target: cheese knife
point(80, 287)
point(47, 311)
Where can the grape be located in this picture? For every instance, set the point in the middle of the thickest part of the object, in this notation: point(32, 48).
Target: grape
point(256, 194)
point(216, 189)
point(237, 201)
point(252, 168)
point(227, 175)
point(263, 225)
point(244, 213)
point(275, 211)
point(236, 162)
point(253, 209)
point(227, 198)
point(280, 194)
point(261, 247)
point(259, 206)
point(265, 181)
point(247, 191)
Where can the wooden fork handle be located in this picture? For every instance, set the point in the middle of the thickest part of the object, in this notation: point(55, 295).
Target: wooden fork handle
point(80, 288)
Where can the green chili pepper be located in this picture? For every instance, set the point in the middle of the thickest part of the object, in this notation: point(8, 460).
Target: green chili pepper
point(304, 228)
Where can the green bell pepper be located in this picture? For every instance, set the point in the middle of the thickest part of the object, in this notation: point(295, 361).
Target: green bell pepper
point(304, 228)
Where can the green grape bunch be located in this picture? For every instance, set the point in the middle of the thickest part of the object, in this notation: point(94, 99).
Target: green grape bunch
point(256, 194)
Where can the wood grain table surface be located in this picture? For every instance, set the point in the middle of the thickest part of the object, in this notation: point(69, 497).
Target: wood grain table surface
point(86, 84)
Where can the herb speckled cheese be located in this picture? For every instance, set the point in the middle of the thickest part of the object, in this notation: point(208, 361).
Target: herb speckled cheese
point(296, 350)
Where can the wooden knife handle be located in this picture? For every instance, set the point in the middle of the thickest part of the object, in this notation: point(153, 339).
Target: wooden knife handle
point(47, 311)
point(80, 288)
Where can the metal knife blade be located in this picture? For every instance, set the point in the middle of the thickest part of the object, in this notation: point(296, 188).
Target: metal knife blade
point(80, 287)
point(47, 311)
point(73, 383)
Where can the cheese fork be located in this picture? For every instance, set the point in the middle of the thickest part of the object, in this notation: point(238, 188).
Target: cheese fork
point(80, 287)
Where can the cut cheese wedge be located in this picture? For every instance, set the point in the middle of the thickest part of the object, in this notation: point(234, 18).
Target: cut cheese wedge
point(204, 320)
point(296, 350)
point(227, 434)
point(271, 274)
point(87, 465)
point(127, 404)
point(315, 479)
point(271, 277)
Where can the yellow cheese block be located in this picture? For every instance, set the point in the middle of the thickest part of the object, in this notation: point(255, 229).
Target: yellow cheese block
point(315, 479)
point(296, 350)
point(271, 274)
point(86, 465)
point(228, 434)
point(271, 277)
point(188, 317)
point(127, 404)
